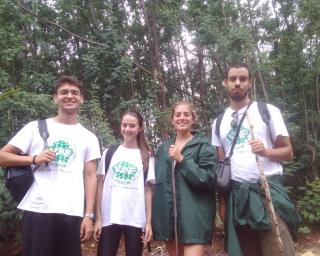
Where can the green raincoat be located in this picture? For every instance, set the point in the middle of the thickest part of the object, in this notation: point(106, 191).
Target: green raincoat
point(195, 182)
point(245, 206)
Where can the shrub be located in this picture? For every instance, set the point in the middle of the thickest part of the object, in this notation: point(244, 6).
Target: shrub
point(10, 218)
point(309, 202)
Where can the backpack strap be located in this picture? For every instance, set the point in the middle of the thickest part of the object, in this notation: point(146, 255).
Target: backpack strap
point(264, 112)
point(43, 130)
point(111, 149)
point(218, 124)
point(145, 175)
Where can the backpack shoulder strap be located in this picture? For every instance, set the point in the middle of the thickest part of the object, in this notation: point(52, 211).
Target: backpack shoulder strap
point(264, 112)
point(218, 124)
point(111, 149)
point(43, 130)
point(145, 173)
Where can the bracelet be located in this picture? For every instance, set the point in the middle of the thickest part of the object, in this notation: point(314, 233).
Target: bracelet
point(89, 215)
point(34, 159)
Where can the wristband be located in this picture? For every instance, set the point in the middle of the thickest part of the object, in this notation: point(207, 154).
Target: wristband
point(34, 159)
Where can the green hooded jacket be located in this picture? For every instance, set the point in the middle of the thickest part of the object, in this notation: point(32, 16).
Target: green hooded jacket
point(195, 193)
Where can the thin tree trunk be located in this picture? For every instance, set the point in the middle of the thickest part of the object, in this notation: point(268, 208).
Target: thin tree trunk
point(201, 73)
point(255, 50)
point(151, 21)
point(181, 78)
point(317, 78)
point(188, 67)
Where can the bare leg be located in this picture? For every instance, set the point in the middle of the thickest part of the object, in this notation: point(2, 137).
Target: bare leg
point(171, 248)
point(193, 250)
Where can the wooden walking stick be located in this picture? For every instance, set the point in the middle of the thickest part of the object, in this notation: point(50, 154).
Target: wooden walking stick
point(269, 204)
point(175, 213)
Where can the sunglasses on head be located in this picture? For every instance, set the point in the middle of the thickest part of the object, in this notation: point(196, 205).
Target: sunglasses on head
point(234, 121)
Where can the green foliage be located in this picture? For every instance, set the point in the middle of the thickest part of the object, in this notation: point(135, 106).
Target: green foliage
point(310, 201)
point(304, 230)
point(18, 108)
point(92, 117)
point(10, 218)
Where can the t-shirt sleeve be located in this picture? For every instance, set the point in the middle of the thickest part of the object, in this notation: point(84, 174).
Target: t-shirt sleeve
point(215, 140)
point(93, 149)
point(151, 177)
point(22, 140)
point(277, 125)
point(101, 165)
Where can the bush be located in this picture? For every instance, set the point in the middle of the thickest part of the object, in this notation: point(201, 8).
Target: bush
point(309, 202)
point(10, 218)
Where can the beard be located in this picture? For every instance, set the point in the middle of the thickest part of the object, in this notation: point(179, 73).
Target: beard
point(239, 96)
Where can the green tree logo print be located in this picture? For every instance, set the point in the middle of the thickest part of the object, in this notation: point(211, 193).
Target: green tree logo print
point(124, 172)
point(65, 152)
point(243, 137)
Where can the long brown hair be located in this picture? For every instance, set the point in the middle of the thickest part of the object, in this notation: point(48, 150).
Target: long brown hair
point(145, 149)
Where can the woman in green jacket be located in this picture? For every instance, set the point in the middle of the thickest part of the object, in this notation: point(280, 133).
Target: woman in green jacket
point(184, 204)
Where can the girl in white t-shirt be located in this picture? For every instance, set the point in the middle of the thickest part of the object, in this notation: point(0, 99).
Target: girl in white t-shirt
point(124, 194)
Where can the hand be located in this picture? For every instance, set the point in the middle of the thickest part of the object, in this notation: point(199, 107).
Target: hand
point(257, 147)
point(86, 229)
point(97, 230)
point(175, 154)
point(147, 236)
point(45, 156)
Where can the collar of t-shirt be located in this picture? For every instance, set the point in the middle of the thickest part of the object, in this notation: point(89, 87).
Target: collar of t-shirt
point(239, 111)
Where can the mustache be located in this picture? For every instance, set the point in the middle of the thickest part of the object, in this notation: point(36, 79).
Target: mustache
point(240, 95)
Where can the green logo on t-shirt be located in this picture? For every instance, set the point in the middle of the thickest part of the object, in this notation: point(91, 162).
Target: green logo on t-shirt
point(65, 152)
point(243, 137)
point(124, 172)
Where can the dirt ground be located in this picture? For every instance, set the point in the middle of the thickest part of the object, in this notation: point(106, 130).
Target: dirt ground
point(307, 245)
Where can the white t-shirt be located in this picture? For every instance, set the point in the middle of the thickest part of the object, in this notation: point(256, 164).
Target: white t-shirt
point(243, 162)
point(58, 186)
point(123, 200)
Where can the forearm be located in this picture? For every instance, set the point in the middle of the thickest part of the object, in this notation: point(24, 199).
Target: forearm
point(90, 184)
point(220, 153)
point(10, 159)
point(279, 154)
point(10, 156)
point(281, 151)
point(99, 197)
point(148, 202)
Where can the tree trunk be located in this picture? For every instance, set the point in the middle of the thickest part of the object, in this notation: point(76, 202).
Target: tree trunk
point(149, 11)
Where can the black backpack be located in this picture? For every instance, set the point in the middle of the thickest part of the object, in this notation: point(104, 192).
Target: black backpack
point(19, 179)
point(263, 111)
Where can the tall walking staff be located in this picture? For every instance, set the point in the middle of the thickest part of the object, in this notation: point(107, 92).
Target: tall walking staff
point(175, 213)
point(269, 204)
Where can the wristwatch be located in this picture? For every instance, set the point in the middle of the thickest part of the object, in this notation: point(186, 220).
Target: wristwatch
point(89, 215)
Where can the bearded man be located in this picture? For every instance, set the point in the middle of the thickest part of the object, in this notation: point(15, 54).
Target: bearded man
point(242, 208)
